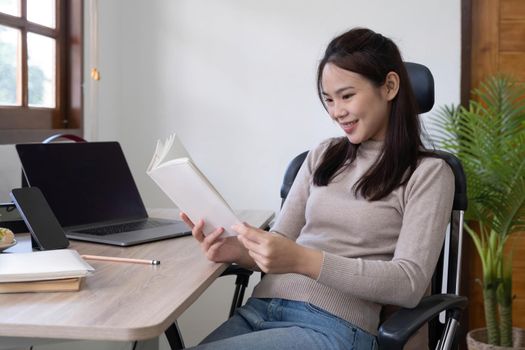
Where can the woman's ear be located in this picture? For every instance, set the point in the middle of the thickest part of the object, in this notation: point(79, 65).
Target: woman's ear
point(391, 85)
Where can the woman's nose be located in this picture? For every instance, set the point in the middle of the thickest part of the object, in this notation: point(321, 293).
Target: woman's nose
point(339, 110)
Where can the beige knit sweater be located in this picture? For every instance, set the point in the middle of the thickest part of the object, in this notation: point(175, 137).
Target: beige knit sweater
point(375, 253)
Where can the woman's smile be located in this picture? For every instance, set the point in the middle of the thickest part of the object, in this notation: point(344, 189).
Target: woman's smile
point(349, 126)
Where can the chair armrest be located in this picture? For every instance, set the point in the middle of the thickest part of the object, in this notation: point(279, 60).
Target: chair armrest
point(241, 282)
point(237, 271)
point(398, 328)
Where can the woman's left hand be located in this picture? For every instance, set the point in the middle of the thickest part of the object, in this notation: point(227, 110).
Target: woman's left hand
point(274, 253)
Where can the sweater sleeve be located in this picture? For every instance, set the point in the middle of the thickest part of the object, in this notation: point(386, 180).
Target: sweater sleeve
point(403, 280)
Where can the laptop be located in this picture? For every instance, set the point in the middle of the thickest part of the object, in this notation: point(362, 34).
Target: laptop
point(91, 190)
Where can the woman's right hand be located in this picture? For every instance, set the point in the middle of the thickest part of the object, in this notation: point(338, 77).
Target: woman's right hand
point(217, 248)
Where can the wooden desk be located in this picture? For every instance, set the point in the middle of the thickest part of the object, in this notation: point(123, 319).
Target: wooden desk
point(120, 301)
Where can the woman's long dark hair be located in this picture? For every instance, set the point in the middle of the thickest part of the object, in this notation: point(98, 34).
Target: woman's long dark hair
point(373, 56)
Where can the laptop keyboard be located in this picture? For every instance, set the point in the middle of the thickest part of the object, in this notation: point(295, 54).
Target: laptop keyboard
point(126, 227)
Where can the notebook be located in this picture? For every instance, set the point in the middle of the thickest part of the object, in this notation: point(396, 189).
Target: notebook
point(91, 191)
point(44, 265)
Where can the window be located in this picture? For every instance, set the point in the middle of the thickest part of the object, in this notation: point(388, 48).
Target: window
point(40, 68)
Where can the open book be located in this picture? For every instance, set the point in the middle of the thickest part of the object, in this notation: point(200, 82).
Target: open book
point(176, 174)
point(41, 266)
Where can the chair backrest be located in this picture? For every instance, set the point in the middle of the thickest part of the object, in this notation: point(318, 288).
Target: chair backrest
point(422, 83)
point(446, 277)
point(447, 273)
point(70, 137)
point(459, 206)
point(290, 174)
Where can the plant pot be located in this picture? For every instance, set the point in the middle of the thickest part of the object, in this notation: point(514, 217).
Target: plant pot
point(477, 340)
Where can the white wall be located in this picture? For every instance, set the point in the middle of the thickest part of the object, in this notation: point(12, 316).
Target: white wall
point(236, 81)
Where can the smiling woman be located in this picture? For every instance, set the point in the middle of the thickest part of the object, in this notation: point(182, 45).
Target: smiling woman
point(40, 68)
point(362, 224)
point(368, 93)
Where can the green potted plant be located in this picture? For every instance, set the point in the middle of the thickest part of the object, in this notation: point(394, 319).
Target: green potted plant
point(488, 136)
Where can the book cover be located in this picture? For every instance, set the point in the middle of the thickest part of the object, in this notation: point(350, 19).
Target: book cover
point(181, 180)
point(60, 285)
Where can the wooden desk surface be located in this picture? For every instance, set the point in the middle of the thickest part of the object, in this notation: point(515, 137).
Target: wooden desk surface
point(120, 301)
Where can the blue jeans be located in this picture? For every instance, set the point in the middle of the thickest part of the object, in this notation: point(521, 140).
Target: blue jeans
point(267, 324)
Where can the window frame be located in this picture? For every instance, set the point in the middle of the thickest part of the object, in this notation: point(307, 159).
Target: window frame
point(33, 124)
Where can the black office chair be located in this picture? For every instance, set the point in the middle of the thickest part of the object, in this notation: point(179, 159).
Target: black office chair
point(395, 332)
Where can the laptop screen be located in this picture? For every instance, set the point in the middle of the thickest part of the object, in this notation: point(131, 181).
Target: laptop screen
point(84, 183)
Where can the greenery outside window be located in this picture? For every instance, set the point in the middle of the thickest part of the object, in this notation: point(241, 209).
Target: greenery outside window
point(40, 69)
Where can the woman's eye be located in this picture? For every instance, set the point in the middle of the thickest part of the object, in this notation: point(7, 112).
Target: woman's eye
point(346, 97)
point(328, 100)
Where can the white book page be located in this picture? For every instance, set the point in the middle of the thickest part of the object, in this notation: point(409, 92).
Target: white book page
point(171, 148)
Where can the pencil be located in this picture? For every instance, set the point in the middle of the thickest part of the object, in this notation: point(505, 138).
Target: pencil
point(116, 259)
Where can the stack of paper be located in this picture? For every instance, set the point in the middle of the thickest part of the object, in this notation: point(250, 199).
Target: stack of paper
point(50, 270)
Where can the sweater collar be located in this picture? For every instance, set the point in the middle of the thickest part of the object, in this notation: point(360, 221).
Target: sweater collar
point(371, 147)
